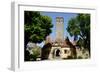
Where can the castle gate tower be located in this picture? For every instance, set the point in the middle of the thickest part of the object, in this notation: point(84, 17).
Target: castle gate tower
point(59, 29)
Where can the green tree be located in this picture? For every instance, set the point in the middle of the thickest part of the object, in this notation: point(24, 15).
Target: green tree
point(79, 27)
point(36, 27)
point(36, 53)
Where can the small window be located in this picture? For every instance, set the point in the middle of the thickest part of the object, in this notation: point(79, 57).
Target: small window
point(65, 51)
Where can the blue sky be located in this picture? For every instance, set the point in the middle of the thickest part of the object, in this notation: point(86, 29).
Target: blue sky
point(66, 16)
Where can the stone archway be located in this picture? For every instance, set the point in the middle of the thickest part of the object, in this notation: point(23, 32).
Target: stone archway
point(57, 53)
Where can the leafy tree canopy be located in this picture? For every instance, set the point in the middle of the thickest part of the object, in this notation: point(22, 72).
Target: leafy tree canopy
point(79, 27)
point(36, 26)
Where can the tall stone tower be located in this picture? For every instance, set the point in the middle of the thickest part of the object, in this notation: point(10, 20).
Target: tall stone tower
point(59, 29)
